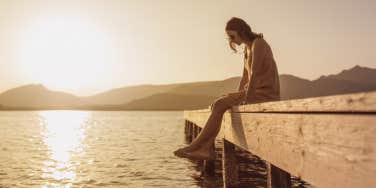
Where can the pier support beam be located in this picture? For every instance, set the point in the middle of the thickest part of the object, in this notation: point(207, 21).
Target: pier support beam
point(187, 131)
point(229, 165)
point(209, 165)
point(277, 178)
point(194, 131)
point(186, 126)
point(190, 132)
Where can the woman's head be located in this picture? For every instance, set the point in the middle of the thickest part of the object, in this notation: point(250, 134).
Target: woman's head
point(239, 32)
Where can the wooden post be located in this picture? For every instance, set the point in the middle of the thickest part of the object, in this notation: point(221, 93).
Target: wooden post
point(194, 131)
point(194, 127)
point(209, 165)
point(198, 129)
point(229, 165)
point(186, 126)
point(190, 132)
point(277, 178)
point(186, 131)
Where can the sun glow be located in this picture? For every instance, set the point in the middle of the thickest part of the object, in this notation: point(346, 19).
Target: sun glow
point(64, 52)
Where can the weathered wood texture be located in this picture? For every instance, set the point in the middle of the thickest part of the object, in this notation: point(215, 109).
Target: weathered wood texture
point(209, 165)
point(357, 102)
point(277, 178)
point(330, 149)
point(229, 165)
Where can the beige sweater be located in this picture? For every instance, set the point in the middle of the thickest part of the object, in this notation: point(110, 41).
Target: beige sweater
point(260, 81)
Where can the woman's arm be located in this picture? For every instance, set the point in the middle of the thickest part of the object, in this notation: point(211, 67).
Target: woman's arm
point(244, 80)
point(242, 90)
point(253, 64)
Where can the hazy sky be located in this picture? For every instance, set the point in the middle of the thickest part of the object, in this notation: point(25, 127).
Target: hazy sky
point(86, 47)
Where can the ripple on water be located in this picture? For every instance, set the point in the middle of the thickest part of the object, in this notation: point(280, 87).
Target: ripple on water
point(96, 149)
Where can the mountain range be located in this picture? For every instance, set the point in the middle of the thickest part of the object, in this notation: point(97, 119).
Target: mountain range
point(180, 96)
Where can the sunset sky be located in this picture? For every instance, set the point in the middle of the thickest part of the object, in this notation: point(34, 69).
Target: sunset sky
point(86, 47)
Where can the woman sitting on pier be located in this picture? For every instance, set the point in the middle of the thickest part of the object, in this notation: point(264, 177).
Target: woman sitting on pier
point(260, 83)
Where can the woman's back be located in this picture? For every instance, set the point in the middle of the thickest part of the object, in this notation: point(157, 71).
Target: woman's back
point(266, 77)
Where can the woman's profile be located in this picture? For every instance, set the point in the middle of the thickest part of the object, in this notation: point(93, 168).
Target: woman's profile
point(259, 83)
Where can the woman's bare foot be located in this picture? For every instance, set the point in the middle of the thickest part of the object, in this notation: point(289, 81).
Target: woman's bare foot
point(196, 154)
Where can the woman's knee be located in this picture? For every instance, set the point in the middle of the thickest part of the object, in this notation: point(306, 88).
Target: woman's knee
point(219, 105)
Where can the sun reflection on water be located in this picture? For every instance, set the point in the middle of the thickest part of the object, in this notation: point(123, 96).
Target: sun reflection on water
point(63, 134)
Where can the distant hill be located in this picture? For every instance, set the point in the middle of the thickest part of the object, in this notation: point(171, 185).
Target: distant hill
point(170, 101)
point(357, 74)
point(193, 95)
point(356, 79)
point(293, 87)
point(210, 88)
point(127, 94)
point(36, 95)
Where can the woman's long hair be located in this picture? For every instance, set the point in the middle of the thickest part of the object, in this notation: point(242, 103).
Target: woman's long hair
point(243, 30)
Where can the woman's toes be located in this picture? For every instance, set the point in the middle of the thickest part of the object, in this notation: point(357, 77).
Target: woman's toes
point(179, 151)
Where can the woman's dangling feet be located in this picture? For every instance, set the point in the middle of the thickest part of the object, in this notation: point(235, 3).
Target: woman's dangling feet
point(200, 154)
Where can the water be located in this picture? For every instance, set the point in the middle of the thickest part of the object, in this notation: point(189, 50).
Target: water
point(100, 149)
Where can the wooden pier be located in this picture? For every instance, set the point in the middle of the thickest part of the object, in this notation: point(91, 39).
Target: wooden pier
point(326, 141)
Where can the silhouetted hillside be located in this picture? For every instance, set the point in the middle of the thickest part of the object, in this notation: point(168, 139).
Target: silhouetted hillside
point(170, 101)
point(36, 95)
point(193, 95)
point(293, 87)
point(357, 74)
point(356, 79)
point(211, 88)
point(127, 94)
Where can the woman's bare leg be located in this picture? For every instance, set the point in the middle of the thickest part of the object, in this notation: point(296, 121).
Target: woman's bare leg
point(208, 133)
point(200, 146)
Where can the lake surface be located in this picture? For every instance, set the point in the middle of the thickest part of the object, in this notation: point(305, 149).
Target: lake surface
point(103, 149)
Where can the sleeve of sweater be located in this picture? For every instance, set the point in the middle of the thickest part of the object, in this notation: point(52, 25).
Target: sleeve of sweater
point(244, 80)
point(254, 64)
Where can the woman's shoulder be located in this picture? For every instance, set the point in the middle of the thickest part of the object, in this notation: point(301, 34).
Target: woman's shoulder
point(261, 41)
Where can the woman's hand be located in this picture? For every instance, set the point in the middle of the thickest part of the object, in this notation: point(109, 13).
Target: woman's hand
point(240, 95)
point(237, 96)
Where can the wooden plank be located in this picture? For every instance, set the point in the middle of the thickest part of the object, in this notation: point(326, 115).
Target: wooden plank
point(229, 165)
point(197, 118)
point(356, 102)
point(326, 150)
point(277, 178)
